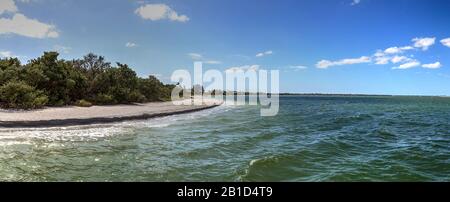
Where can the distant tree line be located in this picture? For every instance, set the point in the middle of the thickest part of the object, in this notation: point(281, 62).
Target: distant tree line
point(49, 81)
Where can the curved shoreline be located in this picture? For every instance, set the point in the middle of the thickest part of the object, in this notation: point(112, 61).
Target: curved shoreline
point(99, 119)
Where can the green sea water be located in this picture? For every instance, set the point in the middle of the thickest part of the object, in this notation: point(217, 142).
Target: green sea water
point(313, 138)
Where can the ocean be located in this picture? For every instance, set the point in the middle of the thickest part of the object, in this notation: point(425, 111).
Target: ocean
point(313, 138)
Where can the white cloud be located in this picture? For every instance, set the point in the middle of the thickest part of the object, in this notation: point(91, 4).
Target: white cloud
point(195, 56)
point(264, 53)
point(446, 42)
point(354, 2)
point(212, 62)
point(408, 65)
point(423, 43)
point(159, 12)
point(407, 48)
point(392, 50)
point(379, 53)
point(324, 64)
point(435, 65)
point(199, 57)
point(398, 59)
point(21, 25)
point(382, 60)
point(130, 45)
point(62, 49)
point(7, 6)
point(392, 55)
point(298, 67)
point(363, 59)
point(242, 68)
point(6, 54)
point(397, 50)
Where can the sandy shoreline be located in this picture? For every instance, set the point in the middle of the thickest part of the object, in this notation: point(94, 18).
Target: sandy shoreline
point(72, 115)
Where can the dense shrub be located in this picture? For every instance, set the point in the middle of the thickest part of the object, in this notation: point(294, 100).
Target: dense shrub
point(136, 96)
point(18, 94)
point(103, 99)
point(50, 81)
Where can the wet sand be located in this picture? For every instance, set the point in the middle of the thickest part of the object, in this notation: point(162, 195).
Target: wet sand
point(72, 115)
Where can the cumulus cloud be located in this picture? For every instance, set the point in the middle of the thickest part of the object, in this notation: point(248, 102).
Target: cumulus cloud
point(398, 59)
point(130, 45)
point(243, 68)
point(435, 65)
point(397, 50)
point(382, 60)
point(324, 64)
point(264, 53)
point(408, 65)
point(21, 25)
point(392, 50)
point(446, 42)
point(156, 12)
point(7, 6)
point(424, 43)
point(379, 53)
point(394, 55)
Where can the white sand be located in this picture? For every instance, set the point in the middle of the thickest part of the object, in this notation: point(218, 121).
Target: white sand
point(108, 112)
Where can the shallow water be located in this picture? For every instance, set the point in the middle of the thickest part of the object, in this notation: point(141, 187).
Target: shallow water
point(311, 139)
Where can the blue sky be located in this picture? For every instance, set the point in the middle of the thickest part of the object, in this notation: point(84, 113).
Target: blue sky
point(324, 46)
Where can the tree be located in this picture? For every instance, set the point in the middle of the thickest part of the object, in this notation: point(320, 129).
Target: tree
point(92, 65)
point(18, 94)
point(9, 69)
point(78, 83)
point(57, 78)
point(151, 88)
point(121, 83)
point(50, 81)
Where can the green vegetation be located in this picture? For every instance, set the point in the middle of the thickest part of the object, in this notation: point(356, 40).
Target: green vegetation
point(49, 81)
point(83, 103)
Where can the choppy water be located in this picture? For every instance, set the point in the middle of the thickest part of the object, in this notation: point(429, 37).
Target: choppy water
point(312, 139)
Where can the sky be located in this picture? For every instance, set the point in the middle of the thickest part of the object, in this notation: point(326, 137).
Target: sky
point(398, 47)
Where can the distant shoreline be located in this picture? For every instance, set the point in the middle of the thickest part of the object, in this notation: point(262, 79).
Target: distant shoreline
point(358, 95)
point(72, 116)
point(339, 94)
point(325, 94)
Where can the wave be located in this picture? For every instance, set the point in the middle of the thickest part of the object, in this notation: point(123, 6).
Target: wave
point(338, 123)
point(275, 167)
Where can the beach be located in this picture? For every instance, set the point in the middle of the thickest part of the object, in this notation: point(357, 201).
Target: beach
point(73, 115)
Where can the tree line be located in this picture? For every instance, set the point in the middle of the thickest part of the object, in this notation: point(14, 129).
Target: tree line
point(49, 81)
